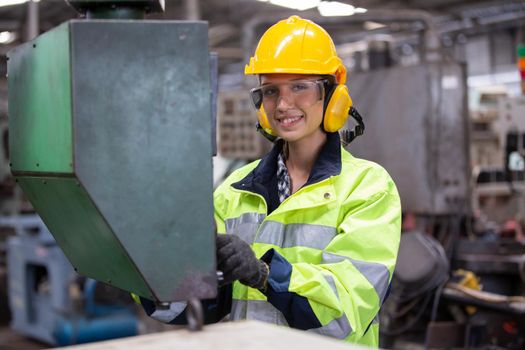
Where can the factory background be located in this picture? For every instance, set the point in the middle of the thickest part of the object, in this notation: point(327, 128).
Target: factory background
point(441, 87)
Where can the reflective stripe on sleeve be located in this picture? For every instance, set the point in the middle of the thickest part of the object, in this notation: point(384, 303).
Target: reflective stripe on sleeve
point(377, 274)
point(339, 328)
point(292, 235)
point(330, 280)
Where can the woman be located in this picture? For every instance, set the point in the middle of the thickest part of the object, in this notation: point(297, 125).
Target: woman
point(308, 235)
point(324, 225)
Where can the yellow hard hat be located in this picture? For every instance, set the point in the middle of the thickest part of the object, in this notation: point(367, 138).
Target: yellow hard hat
point(296, 46)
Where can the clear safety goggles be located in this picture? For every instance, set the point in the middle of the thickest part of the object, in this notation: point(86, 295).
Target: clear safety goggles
point(304, 93)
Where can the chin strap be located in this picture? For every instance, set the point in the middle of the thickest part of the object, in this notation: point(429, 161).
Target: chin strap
point(266, 135)
point(348, 136)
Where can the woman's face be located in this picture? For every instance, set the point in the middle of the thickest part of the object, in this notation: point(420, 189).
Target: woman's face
point(293, 104)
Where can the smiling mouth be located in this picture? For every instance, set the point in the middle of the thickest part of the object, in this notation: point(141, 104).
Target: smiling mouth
point(289, 121)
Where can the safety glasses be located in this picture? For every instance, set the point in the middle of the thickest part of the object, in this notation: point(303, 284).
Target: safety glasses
point(304, 93)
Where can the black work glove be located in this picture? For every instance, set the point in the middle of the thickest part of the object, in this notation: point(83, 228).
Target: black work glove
point(237, 261)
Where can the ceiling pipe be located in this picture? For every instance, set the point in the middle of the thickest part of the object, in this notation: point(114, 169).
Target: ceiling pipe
point(32, 20)
point(193, 12)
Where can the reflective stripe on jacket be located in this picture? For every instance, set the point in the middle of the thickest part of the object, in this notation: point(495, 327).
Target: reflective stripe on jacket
point(331, 246)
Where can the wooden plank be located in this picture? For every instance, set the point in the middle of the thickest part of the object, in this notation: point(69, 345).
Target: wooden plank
point(240, 335)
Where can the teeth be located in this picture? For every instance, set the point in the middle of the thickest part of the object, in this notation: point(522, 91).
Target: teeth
point(289, 120)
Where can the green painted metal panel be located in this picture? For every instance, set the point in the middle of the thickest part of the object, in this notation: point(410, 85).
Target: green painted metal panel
point(143, 147)
point(126, 104)
point(39, 92)
point(81, 231)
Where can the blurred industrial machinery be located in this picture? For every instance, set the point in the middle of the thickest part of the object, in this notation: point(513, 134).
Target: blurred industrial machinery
point(237, 137)
point(52, 303)
point(498, 158)
point(456, 272)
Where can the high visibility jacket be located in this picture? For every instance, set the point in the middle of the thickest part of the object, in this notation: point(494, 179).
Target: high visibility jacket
point(331, 246)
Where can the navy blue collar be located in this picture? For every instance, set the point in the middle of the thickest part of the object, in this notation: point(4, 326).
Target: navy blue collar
point(263, 178)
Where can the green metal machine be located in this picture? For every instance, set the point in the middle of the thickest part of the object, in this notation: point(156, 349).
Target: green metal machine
point(109, 125)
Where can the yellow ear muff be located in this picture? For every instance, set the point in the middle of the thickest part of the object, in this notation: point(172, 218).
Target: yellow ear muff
point(263, 120)
point(337, 109)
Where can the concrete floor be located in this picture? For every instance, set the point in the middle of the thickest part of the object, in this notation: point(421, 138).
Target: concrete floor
point(10, 340)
